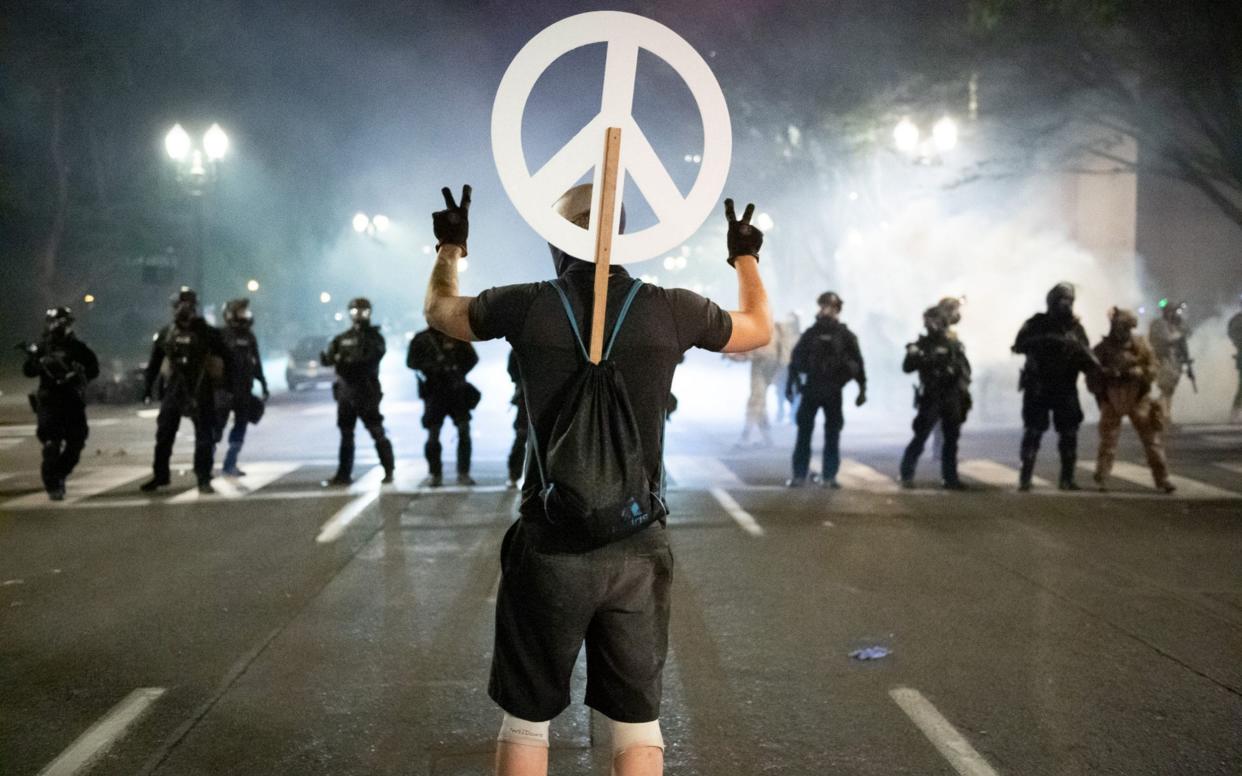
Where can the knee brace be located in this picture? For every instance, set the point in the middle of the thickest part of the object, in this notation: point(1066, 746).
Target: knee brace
point(523, 733)
point(632, 735)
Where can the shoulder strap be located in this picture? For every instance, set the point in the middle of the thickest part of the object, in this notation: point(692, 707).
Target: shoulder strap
point(625, 309)
point(569, 313)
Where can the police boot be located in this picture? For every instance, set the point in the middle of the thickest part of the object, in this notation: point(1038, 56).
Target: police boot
point(344, 466)
point(229, 467)
point(154, 484)
point(383, 447)
point(1028, 454)
point(1069, 462)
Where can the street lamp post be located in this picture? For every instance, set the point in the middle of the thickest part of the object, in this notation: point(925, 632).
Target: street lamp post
point(197, 169)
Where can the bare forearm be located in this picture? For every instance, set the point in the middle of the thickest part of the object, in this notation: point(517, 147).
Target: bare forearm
point(752, 322)
point(443, 307)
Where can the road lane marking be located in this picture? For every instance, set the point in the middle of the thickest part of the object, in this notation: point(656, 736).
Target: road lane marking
point(1186, 487)
point(22, 430)
point(91, 482)
point(258, 475)
point(741, 516)
point(368, 485)
point(996, 474)
point(151, 413)
point(855, 475)
point(1236, 468)
point(700, 470)
point(100, 737)
point(325, 409)
point(950, 743)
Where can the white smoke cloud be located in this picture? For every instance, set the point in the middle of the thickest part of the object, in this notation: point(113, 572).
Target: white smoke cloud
point(890, 272)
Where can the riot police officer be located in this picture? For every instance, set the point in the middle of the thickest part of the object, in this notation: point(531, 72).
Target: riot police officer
point(825, 359)
point(943, 395)
point(1169, 337)
point(356, 354)
point(1057, 350)
point(442, 364)
point(64, 365)
point(521, 424)
point(190, 360)
point(1234, 329)
point(247, 368)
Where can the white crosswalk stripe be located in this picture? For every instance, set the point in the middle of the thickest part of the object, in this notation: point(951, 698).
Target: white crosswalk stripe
point(1186, 487)
point(83, 485)
point(997, 475)
point(23, 430)
point(855, 475)
point(258, 475)
point(691, 473)
point(700, 470)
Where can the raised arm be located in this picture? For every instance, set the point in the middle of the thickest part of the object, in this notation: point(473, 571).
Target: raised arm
point(443, 307)
point(752, 322)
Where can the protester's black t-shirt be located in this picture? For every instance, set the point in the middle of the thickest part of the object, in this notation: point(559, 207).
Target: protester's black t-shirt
point(661, 325)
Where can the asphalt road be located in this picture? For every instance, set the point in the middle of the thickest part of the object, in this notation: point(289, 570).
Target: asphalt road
point(277, 628)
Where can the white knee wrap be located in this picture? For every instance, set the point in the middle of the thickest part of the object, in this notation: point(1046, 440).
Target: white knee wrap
point(631, 735)
point(519, 731)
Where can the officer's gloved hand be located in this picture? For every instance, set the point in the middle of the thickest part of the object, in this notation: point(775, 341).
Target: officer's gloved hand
point(790, 393)
point(862, 398)
point(743, 239)
point(452, 225)
point(266, 393)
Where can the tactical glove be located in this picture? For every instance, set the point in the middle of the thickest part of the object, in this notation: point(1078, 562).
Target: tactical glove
point(452, 225)
point(743, 239)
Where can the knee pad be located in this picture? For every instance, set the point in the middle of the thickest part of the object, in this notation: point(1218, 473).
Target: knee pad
point(632, 735)
point(519, 731)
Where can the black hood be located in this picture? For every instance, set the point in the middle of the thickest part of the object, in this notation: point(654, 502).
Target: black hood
point(563, 261)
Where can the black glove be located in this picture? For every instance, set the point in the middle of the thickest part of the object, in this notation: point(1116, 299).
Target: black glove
point(266, 393)
point(452, 225)
point(743, 239)
point(862, 397)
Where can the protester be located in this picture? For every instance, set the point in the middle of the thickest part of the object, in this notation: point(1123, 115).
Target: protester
point(552, 587)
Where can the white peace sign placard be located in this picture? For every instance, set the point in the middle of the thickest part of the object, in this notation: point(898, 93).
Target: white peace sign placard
point(534, 194)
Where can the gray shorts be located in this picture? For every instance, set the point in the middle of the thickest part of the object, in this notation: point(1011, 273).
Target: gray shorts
point(615, 598)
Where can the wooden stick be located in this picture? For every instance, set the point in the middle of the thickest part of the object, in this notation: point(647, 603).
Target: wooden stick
point(603, 239)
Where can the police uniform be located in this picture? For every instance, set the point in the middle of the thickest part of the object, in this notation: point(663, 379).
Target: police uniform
point(189, 359)
point(442, 363)
point(1168, 336)
point(829, 356)
point(64, 365)
point(943, 397)
point(1056, 350)
point(356, 355)
point(1235, 336)
point(1128, 367)
point(243, 348)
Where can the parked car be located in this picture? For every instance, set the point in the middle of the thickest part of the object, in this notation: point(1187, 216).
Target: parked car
point(303, 368)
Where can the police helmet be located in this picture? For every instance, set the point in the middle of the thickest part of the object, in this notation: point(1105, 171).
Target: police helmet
point(1122, 317)
point(185, 294)
point(237, 312)
point(1058, 292)
point(59, 319)
point(830, 299)
point(360, 309)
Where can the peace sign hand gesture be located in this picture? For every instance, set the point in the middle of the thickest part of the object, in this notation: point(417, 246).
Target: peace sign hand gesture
point(743, 238)
point(452, 225)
